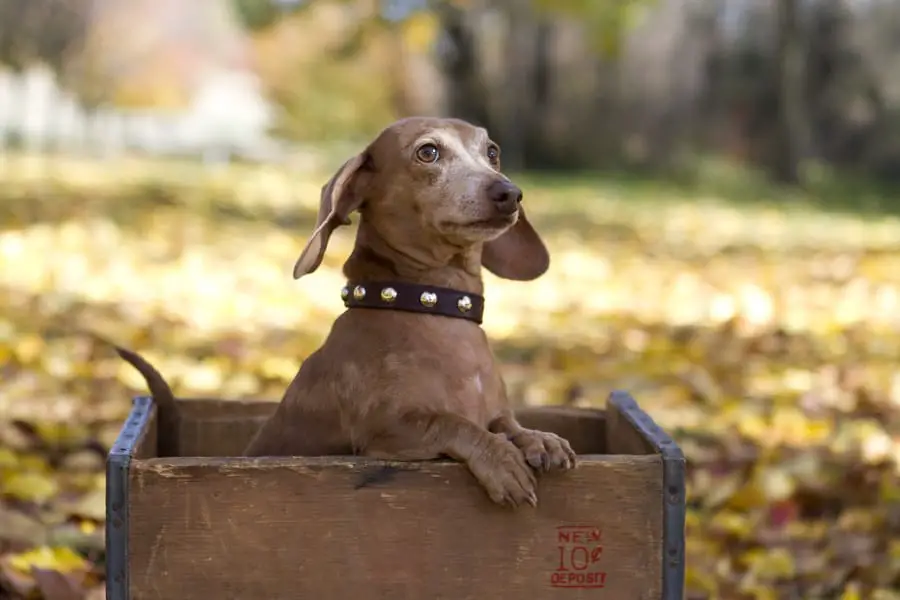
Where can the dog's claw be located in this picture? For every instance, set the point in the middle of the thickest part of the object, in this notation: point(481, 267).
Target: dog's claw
point(505, 475)
point(545, 451)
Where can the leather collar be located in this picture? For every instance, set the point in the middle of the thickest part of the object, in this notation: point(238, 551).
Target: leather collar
point(413, 297)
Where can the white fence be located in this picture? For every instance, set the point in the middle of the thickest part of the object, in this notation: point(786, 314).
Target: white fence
point(227, 117)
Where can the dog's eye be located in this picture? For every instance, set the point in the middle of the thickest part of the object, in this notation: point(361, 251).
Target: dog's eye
point(493, 154)
point(427, 153)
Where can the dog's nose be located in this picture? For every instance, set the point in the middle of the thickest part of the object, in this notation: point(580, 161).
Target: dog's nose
point(505, 195)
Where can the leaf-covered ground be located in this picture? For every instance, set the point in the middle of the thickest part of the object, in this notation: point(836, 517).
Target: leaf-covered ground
point(767, 340)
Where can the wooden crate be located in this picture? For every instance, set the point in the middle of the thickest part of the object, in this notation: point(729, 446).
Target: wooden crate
point(187, 519)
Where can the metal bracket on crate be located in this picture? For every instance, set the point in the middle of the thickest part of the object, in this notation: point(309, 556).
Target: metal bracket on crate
point(674, 500)
point(117, 464)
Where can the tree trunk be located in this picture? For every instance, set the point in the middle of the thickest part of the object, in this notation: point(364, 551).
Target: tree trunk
point(459, 63)
point(792, 136)
point(514, 116)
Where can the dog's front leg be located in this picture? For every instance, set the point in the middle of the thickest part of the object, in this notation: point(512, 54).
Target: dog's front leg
point(543, 450)
point(498, 465)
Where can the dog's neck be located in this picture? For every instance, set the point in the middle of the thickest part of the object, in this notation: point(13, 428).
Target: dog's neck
point(374, 259)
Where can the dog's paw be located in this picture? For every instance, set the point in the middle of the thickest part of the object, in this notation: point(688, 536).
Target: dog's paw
point(503, 473)
point(545, 451)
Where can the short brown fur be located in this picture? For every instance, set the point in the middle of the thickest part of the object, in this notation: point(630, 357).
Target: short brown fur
point(401, 385)
point(410, 386)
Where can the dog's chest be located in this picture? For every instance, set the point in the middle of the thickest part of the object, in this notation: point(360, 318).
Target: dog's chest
point(473, 386)
point(478, 397)
point(443, 363)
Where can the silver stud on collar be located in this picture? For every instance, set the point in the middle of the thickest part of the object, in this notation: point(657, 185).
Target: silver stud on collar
point(345, 293)
point(464, 304)
point(428, 299)
point(388, 294)
point(359, 292)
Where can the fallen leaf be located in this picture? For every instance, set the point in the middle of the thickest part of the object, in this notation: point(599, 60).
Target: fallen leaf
point(30, 487)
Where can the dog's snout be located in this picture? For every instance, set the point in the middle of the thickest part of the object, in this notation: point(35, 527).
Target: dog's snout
point(505, 195)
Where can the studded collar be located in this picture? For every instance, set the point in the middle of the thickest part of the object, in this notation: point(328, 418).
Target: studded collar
point(413, 297)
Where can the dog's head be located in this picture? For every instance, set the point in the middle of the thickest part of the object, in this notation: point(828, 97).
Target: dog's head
point(432, 184)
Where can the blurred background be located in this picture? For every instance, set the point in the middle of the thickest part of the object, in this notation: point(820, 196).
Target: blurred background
point(718, 182)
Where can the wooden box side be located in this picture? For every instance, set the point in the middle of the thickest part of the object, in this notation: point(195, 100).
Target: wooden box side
point(340, 527)
point(218, 408)
point(630, 430)
point(211, 427)
point(219, 427)
point(137, 440)
point(140, 520)
point(584, 428)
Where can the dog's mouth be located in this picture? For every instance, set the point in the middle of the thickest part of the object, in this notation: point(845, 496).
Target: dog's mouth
point(499, 221)
point(481, 229)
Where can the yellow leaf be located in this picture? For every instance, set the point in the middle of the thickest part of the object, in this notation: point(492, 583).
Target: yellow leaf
point(60, 433)
point(8, 459)
point(776, 484)
point(851, 592)
point(29, 347)
point(34, 463)
point(753, 426)
point(278, 367)
point(699, 579)
point(736, 524)
point(30, 487)
point(749, 496)
point(420, 30)
point(87, 527)
point(204, 377)
point(62, 559)
point(770, 565)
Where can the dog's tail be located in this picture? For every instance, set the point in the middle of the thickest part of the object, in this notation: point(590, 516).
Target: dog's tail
point(156, 383)
point(159, 387)
point(166, 406)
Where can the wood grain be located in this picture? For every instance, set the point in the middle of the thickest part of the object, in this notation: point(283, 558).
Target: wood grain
point(338, 528)
point(325, 528)
point(622, 437)
point(214, 427)
point(146, 444)
point(209, 427)
point(584, 429)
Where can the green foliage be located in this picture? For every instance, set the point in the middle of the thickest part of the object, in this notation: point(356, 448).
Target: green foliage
point(336, 84)
point(260, 14)
point(606, 22)
point(336, 100)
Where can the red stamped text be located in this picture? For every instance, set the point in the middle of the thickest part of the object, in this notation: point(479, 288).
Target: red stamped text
point(579, 554)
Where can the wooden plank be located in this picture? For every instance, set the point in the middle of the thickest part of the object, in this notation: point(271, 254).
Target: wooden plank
point(217, 408)
point(216, 437)
point(584, 428)
point(622, 434)
point(631, 430)
point(216, 427)
point(210, 427)
point(338, 528)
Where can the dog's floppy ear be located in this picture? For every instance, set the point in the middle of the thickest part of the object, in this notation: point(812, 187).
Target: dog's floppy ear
point(340, 197)
point(518, 254)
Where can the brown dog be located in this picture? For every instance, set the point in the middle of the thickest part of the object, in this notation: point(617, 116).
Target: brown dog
point(400, 383)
